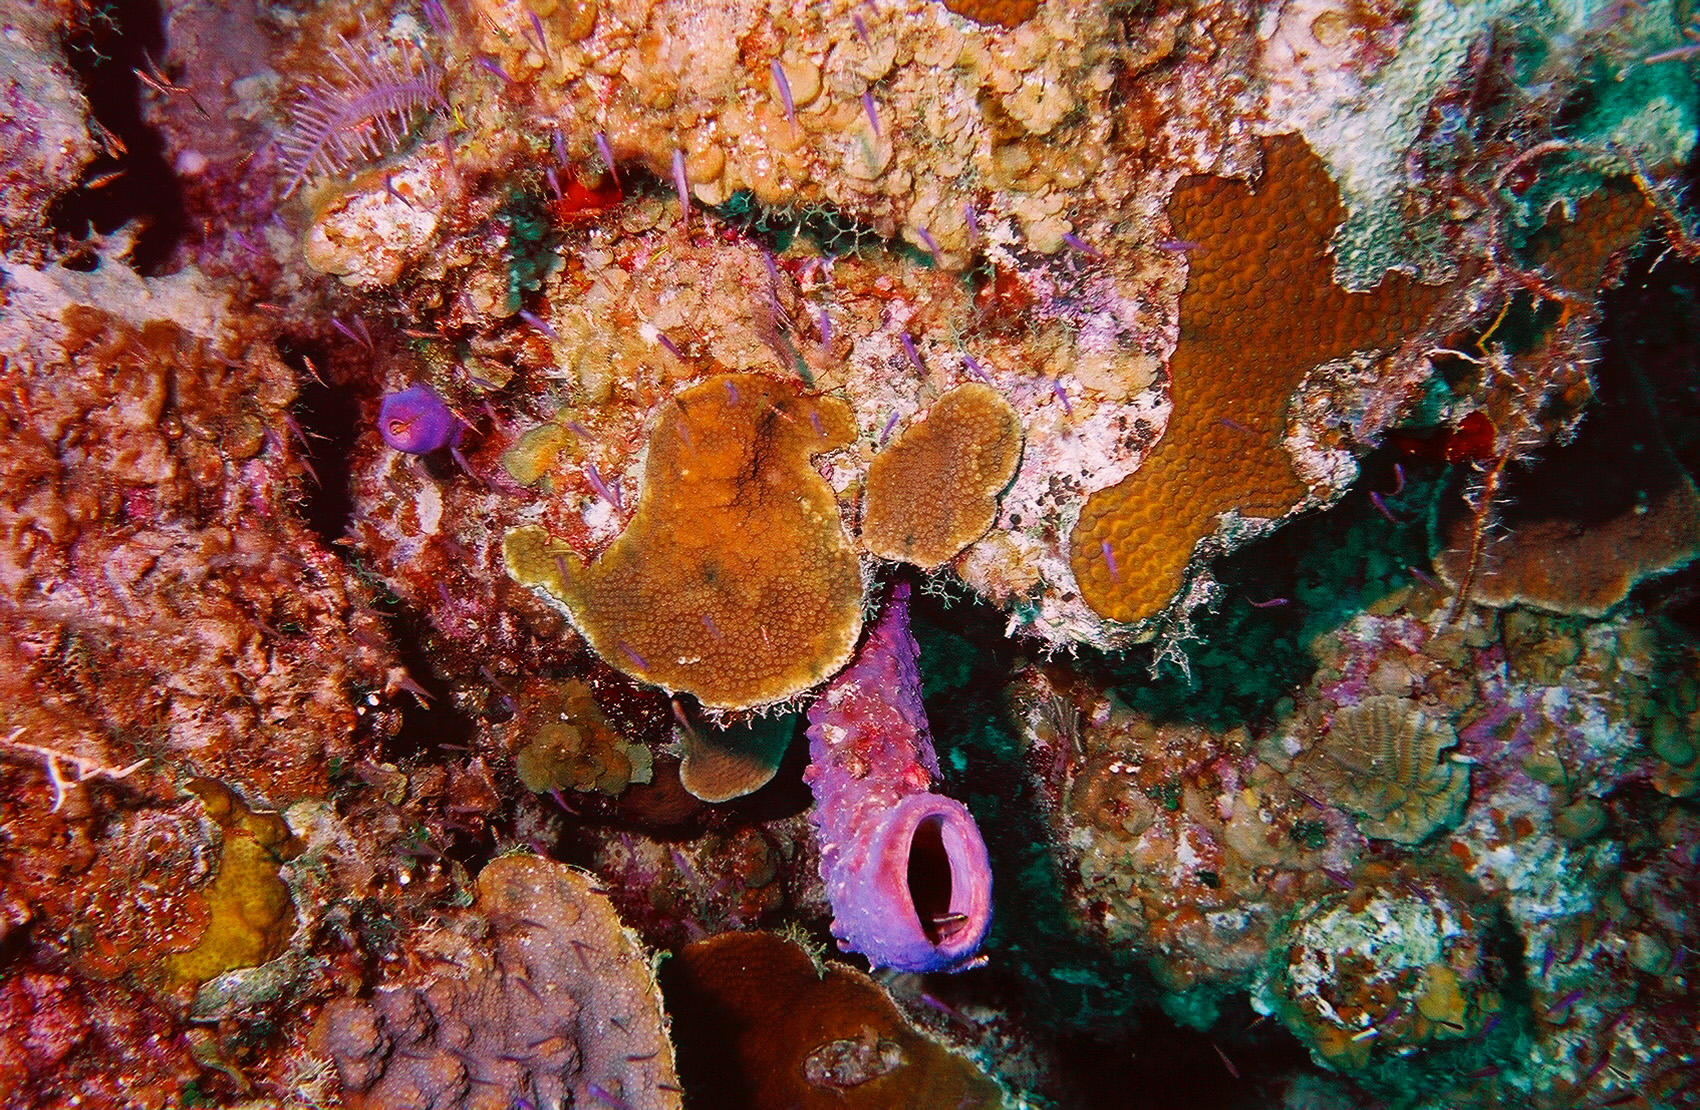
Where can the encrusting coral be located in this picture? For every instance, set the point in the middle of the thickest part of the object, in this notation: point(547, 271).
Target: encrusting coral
point(1260, 311)
point(537, 993)
point(567, 744)
point(250, 913)
point(734, 580)
point(707, 311)
point(781, 1032)
point(1563, 567)
point(934, 490)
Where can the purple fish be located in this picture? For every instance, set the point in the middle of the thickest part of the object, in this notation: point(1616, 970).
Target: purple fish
point(417, 421)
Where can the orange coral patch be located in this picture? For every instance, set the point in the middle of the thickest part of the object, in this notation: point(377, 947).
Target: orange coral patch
point(935, 490)
point(1260, 311)
point(734, 580)
point(995, 13)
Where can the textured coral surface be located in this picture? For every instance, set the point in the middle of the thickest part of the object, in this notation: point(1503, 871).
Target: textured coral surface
point(1261, 311)
point(734, 579)
point(934, 490)
point(541, 996)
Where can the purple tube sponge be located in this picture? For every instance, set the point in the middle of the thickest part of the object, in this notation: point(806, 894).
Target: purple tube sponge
point(905, 869)
point(417, 421)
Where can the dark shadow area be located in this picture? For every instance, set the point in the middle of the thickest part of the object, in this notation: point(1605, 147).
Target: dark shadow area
point(105, 45)
point(1239, 1064)
point(328, 418)
point(1280, 592)
point(929, 878)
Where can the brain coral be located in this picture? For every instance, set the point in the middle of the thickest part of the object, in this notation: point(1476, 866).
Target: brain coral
point(734, 580)
point(1384, 759)
point(1260, 311)
point(935, 490)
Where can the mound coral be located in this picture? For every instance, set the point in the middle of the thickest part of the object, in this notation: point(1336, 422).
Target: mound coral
point(780, 1032)
point(536, 994)
point(905, 869)
point(734, 580)
point(1261, 310)
point(1396, 961)
point(934, 490)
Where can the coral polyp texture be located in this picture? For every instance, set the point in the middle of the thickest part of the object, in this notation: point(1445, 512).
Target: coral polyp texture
point(1261, 310)
point(734, 580)
point(1227, 470)
point(934, 490)
point(1385, 760)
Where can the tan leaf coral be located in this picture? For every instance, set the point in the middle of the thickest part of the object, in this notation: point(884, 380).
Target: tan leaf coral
point(537, 993)
point(1261, 309)
point(734, 580)
point(935, 490)
point(1565, 567)
point(1384, 759)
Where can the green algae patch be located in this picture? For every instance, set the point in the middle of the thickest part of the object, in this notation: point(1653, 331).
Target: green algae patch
point(251, 913)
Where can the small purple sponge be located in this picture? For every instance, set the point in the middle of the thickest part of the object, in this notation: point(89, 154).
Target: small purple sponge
point(417, 421)
point(905, 869)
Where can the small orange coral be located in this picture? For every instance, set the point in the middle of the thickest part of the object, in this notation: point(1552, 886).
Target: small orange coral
point(734, 580)
point(770, 1030)
point(935, 490)
point(1260, 311)
point(998, 13)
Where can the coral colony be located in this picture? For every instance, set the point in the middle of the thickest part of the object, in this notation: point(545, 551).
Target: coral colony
point(551, 551)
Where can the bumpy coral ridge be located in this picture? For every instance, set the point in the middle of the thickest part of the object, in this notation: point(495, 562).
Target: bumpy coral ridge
point(1261, 310)
point(734, 579)
point(543, 997)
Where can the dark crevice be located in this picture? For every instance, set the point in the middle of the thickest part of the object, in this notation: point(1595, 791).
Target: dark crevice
point(105, 45)
point(328, 418)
